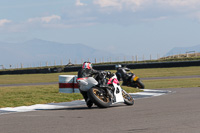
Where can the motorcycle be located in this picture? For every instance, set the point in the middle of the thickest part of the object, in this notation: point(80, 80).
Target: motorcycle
point(107, 92)
point(129, 79)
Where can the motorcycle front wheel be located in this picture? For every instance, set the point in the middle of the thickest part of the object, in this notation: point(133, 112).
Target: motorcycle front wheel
point(128, 100)
point(140, 84)
point(99, 97)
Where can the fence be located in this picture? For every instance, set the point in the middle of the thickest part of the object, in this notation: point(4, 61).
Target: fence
point(94, 60)
point(103, 60)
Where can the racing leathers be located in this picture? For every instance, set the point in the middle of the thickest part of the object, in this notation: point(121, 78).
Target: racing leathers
point(122, 73)
point(83, 73)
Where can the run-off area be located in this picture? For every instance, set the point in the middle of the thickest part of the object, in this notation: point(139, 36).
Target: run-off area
point(147, 93)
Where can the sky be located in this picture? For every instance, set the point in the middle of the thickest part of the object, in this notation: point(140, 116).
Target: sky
point(133, 27)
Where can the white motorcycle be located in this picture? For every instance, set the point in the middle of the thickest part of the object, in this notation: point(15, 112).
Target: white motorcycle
point(104, 95)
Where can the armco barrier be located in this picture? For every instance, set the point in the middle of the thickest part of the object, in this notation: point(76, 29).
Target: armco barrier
point(164, 64)
point(141, 65)
point(107, 67)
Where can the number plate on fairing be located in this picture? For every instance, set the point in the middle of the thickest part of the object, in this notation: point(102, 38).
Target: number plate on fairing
point(118, 93)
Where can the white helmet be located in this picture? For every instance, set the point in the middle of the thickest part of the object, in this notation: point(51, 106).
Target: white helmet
point(118, 66)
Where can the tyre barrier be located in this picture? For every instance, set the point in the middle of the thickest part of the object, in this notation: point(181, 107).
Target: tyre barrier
point(68, 84)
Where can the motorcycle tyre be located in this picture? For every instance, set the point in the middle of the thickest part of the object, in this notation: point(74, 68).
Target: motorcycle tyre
point(100, 103)
point(126, 101)
point(140, 84)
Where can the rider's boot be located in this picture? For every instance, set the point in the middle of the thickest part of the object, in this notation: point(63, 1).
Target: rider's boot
point(89, 103)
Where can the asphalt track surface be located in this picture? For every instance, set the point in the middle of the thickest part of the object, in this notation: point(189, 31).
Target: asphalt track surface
point(176, 112)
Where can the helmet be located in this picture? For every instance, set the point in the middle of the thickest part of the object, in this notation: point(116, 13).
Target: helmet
point(87, 65)
point(118, 66)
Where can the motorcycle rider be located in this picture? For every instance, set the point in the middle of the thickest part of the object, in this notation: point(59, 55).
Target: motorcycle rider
point(87, 71)
point(122, 74)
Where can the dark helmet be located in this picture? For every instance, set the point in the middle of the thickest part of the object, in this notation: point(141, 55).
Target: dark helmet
point(87, 65)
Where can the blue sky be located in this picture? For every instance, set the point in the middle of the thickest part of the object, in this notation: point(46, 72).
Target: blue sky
point(134, 27)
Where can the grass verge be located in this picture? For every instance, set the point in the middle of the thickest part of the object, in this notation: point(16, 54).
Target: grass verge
point(29, 95)
point(172, 83)
point(142, 73)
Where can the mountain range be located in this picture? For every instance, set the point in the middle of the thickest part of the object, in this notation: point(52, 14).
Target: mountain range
point(38, 51)
point(183, 50)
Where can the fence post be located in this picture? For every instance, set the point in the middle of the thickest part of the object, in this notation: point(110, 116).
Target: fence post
point(136, 57)
point(124, 59)
point(158, 56)
point(133, 59)
point(21, 65)
point(143, 58)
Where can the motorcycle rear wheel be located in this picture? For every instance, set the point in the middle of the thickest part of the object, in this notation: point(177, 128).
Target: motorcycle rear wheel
point(128, 100)
point(99, 97)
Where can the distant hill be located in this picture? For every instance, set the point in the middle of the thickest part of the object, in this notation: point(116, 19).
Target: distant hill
point(38, 51)
point(183, 50)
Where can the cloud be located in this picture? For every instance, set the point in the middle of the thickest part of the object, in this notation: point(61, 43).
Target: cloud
point(4, 21)
point(108, 3)
point(138, 3)
point(46, 19)
point(78, 3)
point(180, 3)
point(155, 19)
point(195, 15)
point(121, 4)
point(121, 12)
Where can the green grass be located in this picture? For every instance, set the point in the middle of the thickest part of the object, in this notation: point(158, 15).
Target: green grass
point(142, 73)
point(29, 95)
point(32, 78)
point(167, 72)
point(172, 83)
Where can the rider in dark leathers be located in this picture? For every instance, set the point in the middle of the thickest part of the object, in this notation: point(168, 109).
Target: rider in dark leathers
point(87, 71)
point(121, 73)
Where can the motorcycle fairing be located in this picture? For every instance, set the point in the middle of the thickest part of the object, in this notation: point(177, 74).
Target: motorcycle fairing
point(86, 83)
point(135, 78)
point(113, 81)
point(118, 94)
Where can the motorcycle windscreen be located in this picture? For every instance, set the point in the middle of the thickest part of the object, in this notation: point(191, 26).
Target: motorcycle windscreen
point(91, 82)
point(118, 93)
